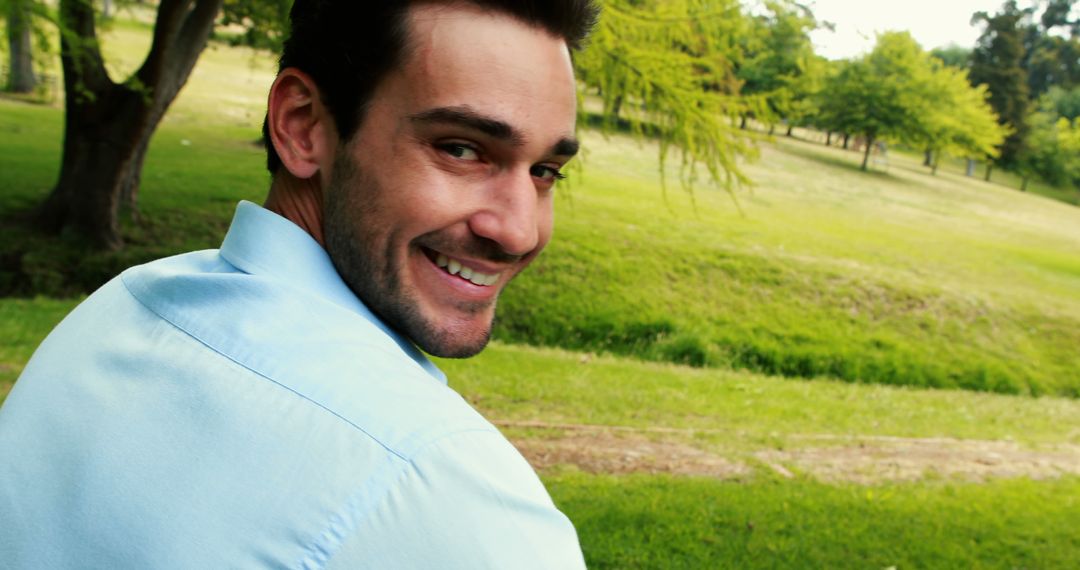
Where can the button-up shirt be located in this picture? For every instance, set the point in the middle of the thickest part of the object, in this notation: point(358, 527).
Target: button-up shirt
point(242, 408)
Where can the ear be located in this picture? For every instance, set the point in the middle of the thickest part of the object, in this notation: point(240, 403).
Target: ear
point(301, 128)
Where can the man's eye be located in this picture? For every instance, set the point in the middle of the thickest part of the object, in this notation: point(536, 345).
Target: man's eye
point(546, 172)
point(459, 150)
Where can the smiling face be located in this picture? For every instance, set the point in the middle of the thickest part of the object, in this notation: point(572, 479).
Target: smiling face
point(444, 193)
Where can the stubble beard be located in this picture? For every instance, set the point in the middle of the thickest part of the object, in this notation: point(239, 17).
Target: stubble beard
point(350, 224)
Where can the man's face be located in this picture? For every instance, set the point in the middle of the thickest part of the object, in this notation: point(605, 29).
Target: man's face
point(444, 193)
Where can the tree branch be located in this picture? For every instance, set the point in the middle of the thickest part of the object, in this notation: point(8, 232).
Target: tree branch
point(80, 52)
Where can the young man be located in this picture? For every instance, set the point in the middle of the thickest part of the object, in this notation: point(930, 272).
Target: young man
point(265, 404)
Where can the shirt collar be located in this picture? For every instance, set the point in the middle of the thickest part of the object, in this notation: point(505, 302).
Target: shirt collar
point(260, 242)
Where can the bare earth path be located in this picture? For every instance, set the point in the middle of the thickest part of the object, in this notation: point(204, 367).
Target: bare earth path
point(620, 449)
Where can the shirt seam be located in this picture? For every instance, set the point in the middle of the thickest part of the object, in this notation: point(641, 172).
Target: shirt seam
point(215, 350)
point(323, 549)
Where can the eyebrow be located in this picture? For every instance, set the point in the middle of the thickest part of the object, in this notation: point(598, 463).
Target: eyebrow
point(466, 117)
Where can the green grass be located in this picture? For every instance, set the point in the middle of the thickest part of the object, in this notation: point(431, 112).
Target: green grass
point(897, 277)
point(740, 410)
point(667, 522)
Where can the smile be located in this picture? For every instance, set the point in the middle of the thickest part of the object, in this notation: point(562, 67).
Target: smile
point(455, 267)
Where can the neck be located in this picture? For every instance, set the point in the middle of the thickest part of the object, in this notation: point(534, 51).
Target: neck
point(299, 201)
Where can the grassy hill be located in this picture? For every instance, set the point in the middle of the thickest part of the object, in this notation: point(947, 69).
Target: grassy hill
point(893, 277)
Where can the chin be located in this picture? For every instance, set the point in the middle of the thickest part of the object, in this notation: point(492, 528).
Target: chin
point(448, 345)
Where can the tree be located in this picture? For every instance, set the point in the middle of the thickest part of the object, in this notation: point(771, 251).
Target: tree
point(959, 120)
point(1053, 152)
point(21, 71)
point(108, 124)
point(953, 56)
point(997, 63)
point(883, 94)
point(666, 67)
point(778, 56)
point(1050, 58)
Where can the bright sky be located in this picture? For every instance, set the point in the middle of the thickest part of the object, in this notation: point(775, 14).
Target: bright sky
point(933, 23)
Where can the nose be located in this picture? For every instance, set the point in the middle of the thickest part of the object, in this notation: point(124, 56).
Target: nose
point(510, 215)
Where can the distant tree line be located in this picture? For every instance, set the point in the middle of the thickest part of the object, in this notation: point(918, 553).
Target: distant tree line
point(692, 73)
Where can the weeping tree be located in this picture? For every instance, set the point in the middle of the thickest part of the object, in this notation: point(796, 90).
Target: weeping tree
point(108, 124)
point(667, 68)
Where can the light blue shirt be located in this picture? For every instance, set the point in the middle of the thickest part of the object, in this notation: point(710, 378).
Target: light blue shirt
point(241, 408)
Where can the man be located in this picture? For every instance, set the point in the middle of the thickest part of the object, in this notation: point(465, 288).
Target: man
point(265, 404)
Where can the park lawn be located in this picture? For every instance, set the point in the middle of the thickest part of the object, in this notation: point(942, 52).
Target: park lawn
point(642, 521)
point(889, 277)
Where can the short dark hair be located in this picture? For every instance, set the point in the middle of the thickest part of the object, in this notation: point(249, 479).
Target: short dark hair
point(348, 46)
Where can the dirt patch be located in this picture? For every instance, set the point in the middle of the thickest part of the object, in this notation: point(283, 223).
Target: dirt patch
point(605, 452)
point(900, 459)
point(621, 449)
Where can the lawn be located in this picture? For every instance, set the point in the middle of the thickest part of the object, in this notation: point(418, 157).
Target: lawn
point(654, 362)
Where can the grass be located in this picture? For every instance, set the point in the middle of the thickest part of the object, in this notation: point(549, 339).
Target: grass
point(740, 410)
point(667, 522)
point(894, 277)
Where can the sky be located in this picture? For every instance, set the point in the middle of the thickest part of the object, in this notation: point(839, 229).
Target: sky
point(933, 23)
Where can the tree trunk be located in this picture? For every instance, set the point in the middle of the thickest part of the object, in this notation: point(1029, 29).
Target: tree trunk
point(847, 139)
point(742, 123)
point(828, 138)
point(789, 129)
point(21, 73)
point(108, 126)
point(866, 153)
point(989, 169)
point(1024, 183)
point(934, 158)
point(970, 170)
point(772, 129)
point(99, 144)
point(928, 157)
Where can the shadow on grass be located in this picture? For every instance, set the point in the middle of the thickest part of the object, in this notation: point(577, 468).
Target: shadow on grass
point(806, 149)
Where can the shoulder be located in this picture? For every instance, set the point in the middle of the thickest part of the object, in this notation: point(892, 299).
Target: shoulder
point(468, 500)
point(308, 346)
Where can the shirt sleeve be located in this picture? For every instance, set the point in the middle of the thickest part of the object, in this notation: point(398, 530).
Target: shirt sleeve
point(467, 501)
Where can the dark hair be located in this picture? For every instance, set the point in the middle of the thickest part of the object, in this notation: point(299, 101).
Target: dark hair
point(348, 46)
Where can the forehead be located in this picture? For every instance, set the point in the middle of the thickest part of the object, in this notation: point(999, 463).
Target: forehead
point(464, 56)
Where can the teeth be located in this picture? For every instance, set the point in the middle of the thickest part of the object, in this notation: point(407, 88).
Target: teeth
point(454, 267)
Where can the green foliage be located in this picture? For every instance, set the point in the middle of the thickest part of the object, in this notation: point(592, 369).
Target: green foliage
point(670, 65)
point(953, 55)
point(263, 23)
point(668, 522)
point(1053, 149)
point(959, 120)
point(997, 62)
point(884, 94)
point(778, 66)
